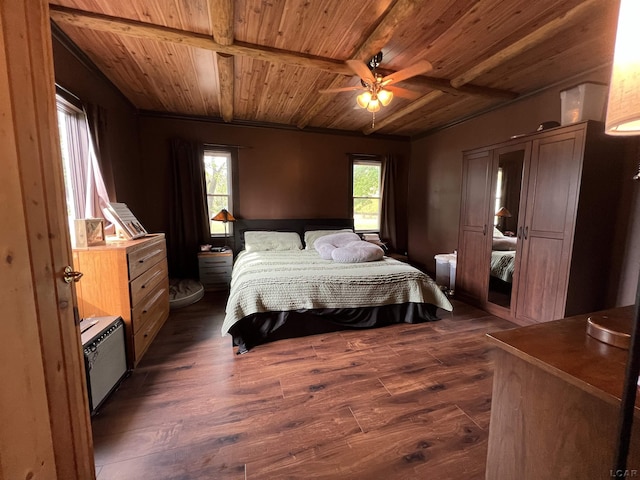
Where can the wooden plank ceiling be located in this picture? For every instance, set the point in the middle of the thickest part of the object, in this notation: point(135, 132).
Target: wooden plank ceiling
point(265, 60)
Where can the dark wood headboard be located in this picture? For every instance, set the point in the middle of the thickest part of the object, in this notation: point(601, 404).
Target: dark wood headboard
point(298, 225)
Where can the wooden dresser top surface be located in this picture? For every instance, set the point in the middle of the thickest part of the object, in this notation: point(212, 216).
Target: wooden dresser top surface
point(564, 349)
point(118, 243)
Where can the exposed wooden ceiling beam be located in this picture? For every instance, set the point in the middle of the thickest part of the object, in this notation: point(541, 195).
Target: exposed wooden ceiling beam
point(432, 83)
point(221, 17)
point(517, 48)
point(121, 26)
point(524, 44)
point(372, 45)
point(400, 11)
point(412, 107)
point(395, 16)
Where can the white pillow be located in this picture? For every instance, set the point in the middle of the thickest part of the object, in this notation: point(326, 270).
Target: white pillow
point(357, 252)
point(310, 236)
point(504, 243)
point(271, 241)
point(497, 233)
point(327, 243)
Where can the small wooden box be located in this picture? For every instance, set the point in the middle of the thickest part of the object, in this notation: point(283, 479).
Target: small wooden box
point(89, 232)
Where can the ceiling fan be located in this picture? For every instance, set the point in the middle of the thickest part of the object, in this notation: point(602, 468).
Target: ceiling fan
point(378, 90)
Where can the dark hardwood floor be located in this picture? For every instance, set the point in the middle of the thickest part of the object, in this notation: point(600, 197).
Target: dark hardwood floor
point(400, 402)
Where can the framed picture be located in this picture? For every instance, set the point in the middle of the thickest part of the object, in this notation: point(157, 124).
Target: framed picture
point(126, 223)
point(89, 232)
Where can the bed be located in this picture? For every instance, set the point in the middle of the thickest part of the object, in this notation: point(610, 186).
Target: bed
point(287, 292)
point(503, 256)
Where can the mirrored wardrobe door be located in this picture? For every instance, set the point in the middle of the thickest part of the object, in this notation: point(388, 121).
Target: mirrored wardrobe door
point(507, 208)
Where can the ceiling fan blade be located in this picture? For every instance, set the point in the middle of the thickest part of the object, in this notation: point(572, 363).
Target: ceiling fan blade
point(342, 89)
point(361, 70)
point(416, 69)
point(403, 93)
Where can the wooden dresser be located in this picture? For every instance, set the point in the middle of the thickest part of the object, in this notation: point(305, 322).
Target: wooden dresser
point(556, 403)
point(130, 279)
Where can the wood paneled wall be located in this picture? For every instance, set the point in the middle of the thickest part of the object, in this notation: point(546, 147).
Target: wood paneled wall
point(435, 177)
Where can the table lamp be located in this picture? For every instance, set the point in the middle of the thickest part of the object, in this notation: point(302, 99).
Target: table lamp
point(224, 216)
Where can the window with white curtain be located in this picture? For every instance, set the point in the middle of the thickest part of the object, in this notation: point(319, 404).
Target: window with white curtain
point(84, 186)
point(366, 191)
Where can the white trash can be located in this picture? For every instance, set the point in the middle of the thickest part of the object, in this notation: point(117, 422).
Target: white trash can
point(453, 263)
point(443, 269)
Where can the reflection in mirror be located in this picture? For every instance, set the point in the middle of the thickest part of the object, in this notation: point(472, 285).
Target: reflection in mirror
point(508, 182)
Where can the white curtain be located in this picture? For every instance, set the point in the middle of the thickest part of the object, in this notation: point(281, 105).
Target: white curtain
point(85, 188)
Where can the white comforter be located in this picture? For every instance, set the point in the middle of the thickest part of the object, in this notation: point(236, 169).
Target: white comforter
point(503, 265)
point(300, 279)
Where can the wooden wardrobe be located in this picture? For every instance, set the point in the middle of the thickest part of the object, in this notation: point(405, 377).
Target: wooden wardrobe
point(561, 188)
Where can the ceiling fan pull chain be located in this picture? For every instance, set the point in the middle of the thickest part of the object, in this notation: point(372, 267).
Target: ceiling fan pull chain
point(373, 120)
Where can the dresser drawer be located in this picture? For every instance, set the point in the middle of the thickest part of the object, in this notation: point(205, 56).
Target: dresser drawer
point(147, 308)
point(142, 285)
point(217, 261)
point(215, 271)
point(142, 258)
point(148, 332)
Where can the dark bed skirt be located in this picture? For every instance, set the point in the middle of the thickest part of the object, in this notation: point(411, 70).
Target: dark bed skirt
point(266, 327)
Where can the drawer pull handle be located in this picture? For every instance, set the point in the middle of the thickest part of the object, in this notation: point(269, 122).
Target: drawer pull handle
point(151, 255)
point(153, 300)
point(144, 285)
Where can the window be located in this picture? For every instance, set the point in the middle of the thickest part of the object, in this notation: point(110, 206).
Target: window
point(367, 188)
point(499, 195)
point(217, 173)
point(72, 131)
point(86, 194)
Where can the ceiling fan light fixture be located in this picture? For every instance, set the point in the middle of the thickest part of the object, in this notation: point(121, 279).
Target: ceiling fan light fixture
point(385, 97)
point(374, 105)
point(363, 99)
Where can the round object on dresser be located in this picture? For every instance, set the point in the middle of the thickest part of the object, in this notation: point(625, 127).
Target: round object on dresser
point(183, 292)
point(610, 329)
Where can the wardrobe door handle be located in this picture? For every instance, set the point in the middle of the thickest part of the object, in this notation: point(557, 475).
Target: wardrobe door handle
point(484, 229)
point(526, 232)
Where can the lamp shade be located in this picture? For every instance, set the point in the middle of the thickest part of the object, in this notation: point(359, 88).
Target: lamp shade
point(374, 105)
point(623, 111)
point(385, 97)
point(503, 212)
point(363, 99)
point(223, 216)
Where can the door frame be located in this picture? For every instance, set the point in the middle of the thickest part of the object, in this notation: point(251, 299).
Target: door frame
point(46, 429)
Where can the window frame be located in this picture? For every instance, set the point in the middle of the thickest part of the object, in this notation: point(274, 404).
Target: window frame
point(70, 141)
point(361, 159)
point(232, 201)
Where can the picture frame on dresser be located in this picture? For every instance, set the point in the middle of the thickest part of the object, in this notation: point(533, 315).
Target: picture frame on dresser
point(127, 225)
point(89, 232)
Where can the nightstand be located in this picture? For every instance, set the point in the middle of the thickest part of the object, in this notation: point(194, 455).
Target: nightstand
point(215, 269)
point(398, 256)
